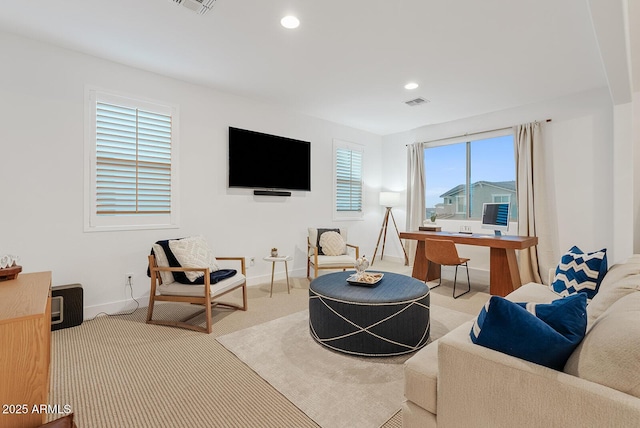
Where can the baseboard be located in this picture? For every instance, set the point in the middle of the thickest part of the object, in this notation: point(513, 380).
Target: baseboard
point(253, 281)
point(127, 305)
point(113, 308)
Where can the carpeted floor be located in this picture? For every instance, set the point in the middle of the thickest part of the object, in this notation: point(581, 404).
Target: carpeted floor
point(121, 372)
point(332, 388)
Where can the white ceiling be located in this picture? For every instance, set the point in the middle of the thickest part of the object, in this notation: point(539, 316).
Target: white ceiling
point(349, 59)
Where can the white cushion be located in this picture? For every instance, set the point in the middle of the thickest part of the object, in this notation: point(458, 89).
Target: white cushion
point(620, 280)
point(332, 244)
point(194, 252)
point(335, 261)
point(610, 352)
point(532, 292)
point(177, 289)
point(162, 261)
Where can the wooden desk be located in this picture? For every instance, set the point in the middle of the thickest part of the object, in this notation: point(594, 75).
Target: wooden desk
point(503, 265)
point(25, 348)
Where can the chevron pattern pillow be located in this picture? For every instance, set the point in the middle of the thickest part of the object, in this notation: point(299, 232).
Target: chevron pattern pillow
point(580, 273)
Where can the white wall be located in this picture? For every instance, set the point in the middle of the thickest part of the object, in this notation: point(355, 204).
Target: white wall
point(580, 141)
point(42, 164)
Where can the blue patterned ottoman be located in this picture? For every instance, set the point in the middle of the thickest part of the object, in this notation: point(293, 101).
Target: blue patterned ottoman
point(389, 318)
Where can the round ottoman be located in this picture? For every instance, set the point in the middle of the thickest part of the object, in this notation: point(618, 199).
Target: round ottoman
point(388, 318)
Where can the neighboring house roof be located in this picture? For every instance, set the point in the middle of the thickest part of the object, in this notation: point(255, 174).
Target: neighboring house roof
point(502, 185)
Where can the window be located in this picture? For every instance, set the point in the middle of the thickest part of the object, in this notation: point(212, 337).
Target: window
point(461, 175)
point(131, 181)
point(348, 180)
point(501, 198)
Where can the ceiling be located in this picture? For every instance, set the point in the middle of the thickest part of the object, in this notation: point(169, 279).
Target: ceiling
point(349, 59)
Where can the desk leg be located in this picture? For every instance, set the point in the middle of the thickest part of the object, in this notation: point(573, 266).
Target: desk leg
point(286, 271)
point(420, 265)
point(504, 274)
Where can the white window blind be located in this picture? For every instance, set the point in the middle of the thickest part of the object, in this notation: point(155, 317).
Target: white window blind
point(348, 180)
point(133, 161)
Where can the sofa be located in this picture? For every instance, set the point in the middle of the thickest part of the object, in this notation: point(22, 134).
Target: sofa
point(453, 382)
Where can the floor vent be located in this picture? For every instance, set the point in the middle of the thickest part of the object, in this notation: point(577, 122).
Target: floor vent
point(416, 102)
point(199, 6)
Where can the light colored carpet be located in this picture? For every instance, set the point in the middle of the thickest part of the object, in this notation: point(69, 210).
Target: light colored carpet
point(121, 372)
point(333, 389)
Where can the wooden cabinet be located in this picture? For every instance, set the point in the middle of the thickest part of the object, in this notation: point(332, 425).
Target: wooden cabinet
point(25, 349)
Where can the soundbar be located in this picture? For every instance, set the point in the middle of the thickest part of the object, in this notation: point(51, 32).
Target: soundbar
point(271, 193)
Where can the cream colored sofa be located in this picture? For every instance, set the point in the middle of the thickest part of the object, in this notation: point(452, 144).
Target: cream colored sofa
point(455, 383)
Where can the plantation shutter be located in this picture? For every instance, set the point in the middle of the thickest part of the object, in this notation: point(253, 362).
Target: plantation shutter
point(348, 180)
point(133, 159)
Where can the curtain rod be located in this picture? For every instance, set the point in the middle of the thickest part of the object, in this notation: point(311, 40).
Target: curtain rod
point(472, 133)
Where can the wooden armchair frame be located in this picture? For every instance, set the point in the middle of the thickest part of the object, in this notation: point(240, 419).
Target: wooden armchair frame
point(312, 259)
point(206, 299)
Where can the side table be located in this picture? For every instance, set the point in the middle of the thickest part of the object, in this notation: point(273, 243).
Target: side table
point(273, 261)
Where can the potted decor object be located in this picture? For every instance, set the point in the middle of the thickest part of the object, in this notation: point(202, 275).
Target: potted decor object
point(274, 252)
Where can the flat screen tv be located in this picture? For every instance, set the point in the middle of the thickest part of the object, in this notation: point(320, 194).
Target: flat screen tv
point(495, 215)
point(269, 162)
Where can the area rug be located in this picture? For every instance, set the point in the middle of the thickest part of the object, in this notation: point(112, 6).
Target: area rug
point(333, 389)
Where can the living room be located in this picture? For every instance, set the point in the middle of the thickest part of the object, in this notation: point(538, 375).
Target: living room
point(592, 154)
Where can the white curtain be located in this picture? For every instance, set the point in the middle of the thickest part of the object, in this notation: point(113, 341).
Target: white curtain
point(415, 194)
point(536, 216)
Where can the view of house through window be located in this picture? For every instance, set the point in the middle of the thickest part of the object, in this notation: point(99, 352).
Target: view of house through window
point(461, 177)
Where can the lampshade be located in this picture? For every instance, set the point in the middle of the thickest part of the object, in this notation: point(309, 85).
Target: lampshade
point(389, 199)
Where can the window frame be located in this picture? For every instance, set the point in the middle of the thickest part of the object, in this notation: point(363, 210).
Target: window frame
point(467, 140)
point(138, 221)
point(501, 195)
point(352, 147)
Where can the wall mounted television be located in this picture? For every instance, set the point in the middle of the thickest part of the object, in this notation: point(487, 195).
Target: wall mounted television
point(268, 163)
point(495, 215)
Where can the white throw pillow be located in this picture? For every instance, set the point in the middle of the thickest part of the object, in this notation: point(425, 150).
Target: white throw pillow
point(194, 252)
point(162, 261)
point(332, 244)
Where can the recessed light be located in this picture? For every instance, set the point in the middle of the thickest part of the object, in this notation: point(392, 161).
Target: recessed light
point(411, 85)
point(290, 22)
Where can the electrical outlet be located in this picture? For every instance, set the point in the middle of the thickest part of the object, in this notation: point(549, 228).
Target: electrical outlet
point(252, 261)
point(128, 279)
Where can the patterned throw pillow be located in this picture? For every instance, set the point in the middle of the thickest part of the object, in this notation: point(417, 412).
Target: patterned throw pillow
point(544, 334)
point(580, 273)
point(332, 244)
point(194, 252)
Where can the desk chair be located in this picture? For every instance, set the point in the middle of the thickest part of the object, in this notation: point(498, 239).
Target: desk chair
point(444, 252)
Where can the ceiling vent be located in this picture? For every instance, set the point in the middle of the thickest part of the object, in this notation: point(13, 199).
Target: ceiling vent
point(199, 6)
point(416, 102)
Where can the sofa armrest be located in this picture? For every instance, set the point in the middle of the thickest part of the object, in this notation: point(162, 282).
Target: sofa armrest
point(478, 386)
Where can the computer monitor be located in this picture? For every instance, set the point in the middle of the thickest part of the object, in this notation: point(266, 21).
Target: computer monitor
point(495, 215)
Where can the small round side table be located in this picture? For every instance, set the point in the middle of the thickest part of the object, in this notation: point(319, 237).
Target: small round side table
point(273, 261)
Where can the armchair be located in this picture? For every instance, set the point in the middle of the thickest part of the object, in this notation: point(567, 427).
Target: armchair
point(184, 270)
point(330, 252)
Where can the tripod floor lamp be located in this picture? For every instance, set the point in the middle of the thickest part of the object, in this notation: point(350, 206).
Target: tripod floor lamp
point(388, 200)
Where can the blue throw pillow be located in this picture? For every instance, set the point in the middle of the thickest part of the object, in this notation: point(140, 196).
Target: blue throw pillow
point(580, 273)
point(544, 334)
